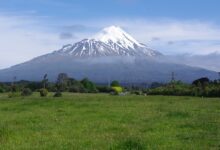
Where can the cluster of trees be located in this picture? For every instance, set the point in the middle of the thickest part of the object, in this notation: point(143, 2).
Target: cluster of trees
point(62, 84)
point(201, 87)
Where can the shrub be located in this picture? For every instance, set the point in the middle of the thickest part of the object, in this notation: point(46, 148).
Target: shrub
point(14, 88)
point(137, 92)
point(104, 89)
point(43, 92)
point(74, 89)
point(26, 92)
point(14, 94)
point(77, 89)
point(58, 94)
point(117, 90)
point(1, 90)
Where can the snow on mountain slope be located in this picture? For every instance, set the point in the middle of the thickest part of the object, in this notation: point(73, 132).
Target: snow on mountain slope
point(116, 35)
point(111, 41)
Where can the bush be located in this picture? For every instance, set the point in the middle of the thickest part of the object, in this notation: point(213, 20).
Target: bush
point(14, 94)
point(137, 92)
point(26, 92)
point(58, 94)
point(211, 89)
point(74, 89)
point(117, 90)
point(2, 90)
point(43, 92)
point(77, 89)
point(104, 89)
point(14, 88)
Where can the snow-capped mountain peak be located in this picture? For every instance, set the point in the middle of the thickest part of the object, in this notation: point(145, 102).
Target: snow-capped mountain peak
point(115, 34)
point(111, 41)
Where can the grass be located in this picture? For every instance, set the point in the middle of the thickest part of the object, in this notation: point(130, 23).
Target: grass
point(99, 121)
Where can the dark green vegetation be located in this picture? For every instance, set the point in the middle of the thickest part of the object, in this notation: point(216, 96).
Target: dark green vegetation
point(201, 87)
point(102, 121)
point(63, 84)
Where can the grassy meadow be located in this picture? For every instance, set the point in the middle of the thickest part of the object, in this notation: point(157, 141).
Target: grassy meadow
point(101, 121)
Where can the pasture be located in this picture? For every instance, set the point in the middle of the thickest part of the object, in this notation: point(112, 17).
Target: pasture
point(101, 121)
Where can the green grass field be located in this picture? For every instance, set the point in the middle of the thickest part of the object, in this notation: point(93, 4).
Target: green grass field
point(99, 121)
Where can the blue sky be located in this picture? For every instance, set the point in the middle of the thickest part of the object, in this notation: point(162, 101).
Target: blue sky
point(36, 27)
point(93, 9)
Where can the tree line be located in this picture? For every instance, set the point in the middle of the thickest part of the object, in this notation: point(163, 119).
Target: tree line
point(63, 83)
point(200, 87)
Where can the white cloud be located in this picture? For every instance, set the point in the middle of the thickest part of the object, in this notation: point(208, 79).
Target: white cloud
point(25, 37)
point(182, 37)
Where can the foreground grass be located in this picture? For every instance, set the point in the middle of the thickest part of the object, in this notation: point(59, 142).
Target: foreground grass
point(98, 121)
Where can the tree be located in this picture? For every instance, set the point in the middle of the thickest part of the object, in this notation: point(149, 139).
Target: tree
point(115, 83)
point(13, 85)
point(156, 85)
point(34, 85)
point(219, 77)
point(45, 81)
point(203, 81)
point(62, 81)
point(89, 86)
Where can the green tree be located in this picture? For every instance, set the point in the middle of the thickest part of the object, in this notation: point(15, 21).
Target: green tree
point(75, 86)
point(1, 90)
point(62, 81)
point(115, 83)
point(45, 81)
point(89, 86)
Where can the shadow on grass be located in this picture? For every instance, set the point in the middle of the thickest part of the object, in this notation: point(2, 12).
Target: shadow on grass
point(129, 144)
point(178, 114)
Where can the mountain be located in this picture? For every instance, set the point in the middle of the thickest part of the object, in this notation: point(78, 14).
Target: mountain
point(111, 41)
point(209, 61)
point(111, 54)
